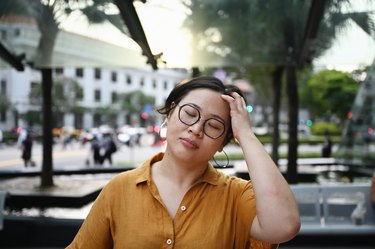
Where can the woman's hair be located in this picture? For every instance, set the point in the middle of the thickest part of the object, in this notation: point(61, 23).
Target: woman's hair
point(205, 82)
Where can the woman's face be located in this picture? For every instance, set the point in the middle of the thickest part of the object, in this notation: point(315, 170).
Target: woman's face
point(200, 140)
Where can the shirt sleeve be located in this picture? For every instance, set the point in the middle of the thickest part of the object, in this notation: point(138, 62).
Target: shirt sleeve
point(95, 231)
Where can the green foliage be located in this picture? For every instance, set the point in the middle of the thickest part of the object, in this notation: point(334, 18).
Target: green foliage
point(32, 117)
point(66, 93)
point(134, 101)
point(328, 93)
point(323, 128)
point(9, 137)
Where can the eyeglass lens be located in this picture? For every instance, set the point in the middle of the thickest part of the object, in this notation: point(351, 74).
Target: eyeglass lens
point(212, 127)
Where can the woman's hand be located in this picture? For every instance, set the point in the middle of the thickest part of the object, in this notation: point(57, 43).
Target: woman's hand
point(239, 115)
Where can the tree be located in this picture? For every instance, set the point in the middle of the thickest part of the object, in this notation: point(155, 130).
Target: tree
point(48, 15)
point(270, 32)
point(328, 93)
point(134, 102)
point(66, 93)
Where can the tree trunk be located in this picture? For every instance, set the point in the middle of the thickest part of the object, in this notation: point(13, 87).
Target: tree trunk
point(195, 72)
point(48, 29)
point(276, 86)
point(47, 164)
point(292, 175)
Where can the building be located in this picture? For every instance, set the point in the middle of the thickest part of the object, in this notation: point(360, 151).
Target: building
point(104, 71)
point(101, 86)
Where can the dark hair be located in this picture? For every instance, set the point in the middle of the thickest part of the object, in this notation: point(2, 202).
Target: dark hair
point(206, 82)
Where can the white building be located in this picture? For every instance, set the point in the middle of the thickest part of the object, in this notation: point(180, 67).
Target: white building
point(100, 88)
point(106, 74)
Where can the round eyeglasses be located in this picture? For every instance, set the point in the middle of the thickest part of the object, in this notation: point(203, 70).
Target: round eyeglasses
point(190, 115)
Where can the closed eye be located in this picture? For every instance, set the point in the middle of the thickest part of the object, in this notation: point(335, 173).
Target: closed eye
point(215, 124)
point(191, 113)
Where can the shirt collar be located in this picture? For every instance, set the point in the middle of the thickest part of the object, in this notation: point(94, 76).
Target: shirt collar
point(211, 175)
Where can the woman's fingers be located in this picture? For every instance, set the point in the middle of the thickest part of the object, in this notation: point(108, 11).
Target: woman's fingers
point(235, 101)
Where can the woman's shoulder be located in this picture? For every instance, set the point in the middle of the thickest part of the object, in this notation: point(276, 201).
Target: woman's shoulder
point(131, 174)
point(136, 175)
point(233, 181)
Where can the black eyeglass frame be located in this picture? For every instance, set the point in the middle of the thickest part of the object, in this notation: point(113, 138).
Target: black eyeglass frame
point(199, 118)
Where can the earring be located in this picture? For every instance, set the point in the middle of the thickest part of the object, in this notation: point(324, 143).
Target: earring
point(163, 131)
point(221, 166)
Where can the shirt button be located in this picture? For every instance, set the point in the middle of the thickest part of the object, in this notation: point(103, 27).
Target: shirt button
point(183, 208)
point(169, 241)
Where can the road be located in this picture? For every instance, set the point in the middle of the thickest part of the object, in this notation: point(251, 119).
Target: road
point(75, 155)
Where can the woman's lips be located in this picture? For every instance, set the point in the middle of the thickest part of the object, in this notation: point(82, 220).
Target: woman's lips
point(189, 143)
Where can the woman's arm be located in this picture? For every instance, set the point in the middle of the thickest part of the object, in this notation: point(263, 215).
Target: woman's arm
point(277, 215)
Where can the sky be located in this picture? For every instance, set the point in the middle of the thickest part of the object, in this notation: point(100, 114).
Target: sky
point(162, 22)
point(353, 48)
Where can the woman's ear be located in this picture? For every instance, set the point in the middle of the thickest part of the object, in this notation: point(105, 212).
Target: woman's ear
point(171, 109)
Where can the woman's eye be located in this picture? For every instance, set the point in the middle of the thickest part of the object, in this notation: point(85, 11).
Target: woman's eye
point(214, 126)
point(191, 113)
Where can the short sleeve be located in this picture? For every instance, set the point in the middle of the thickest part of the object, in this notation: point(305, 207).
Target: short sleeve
point(95, 231)
point(257, 244)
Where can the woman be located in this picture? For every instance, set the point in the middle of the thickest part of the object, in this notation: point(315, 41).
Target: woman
point(27, 146)
point(177, 199)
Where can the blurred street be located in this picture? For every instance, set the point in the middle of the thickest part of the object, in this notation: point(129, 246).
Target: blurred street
point(75, 155)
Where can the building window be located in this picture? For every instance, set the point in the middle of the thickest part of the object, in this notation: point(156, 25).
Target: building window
point(59, 70)
point(97, 120)
point(142, 82)
point(128, 79)
point(154, 83)
point(114, 97)
point(98, 74)
point(3, 116)
point(35, 93)
point(3, 34)
point(17, 32)
point(97, 95)
point(114, 77)
point(79, 72)
point(78, 120)
point(3, 87)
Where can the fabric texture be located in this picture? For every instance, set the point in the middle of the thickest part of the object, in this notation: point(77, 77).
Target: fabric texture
point(216, 212)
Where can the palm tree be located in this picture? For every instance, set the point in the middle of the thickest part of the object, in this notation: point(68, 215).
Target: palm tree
point(270, 32)
point(48, 15)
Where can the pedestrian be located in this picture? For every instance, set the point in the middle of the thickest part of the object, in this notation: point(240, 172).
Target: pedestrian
point(327, 146)
point(1, 138)
point(109, 147)
point(95, 148)
point(178, 199)
point(27, 146)
point(22, 133)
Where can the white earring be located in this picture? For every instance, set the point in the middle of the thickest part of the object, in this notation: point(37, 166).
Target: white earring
point(163, 131)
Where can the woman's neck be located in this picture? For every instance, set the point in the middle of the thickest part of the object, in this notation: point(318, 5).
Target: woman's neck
point(179, 173)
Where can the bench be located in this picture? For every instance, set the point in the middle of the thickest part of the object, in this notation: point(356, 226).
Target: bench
point(326, 216)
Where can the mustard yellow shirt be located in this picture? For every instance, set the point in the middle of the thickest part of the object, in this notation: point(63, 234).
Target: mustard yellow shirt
point(215, 213)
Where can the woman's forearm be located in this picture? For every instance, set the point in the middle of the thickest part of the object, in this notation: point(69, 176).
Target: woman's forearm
point(277, 216)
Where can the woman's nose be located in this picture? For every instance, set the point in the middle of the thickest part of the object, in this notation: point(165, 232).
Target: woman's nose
point(197, 128)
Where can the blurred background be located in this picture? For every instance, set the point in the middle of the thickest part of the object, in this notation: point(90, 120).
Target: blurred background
point(77, 76)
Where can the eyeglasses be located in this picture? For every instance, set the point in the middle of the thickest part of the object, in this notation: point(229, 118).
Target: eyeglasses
point(190, 115)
